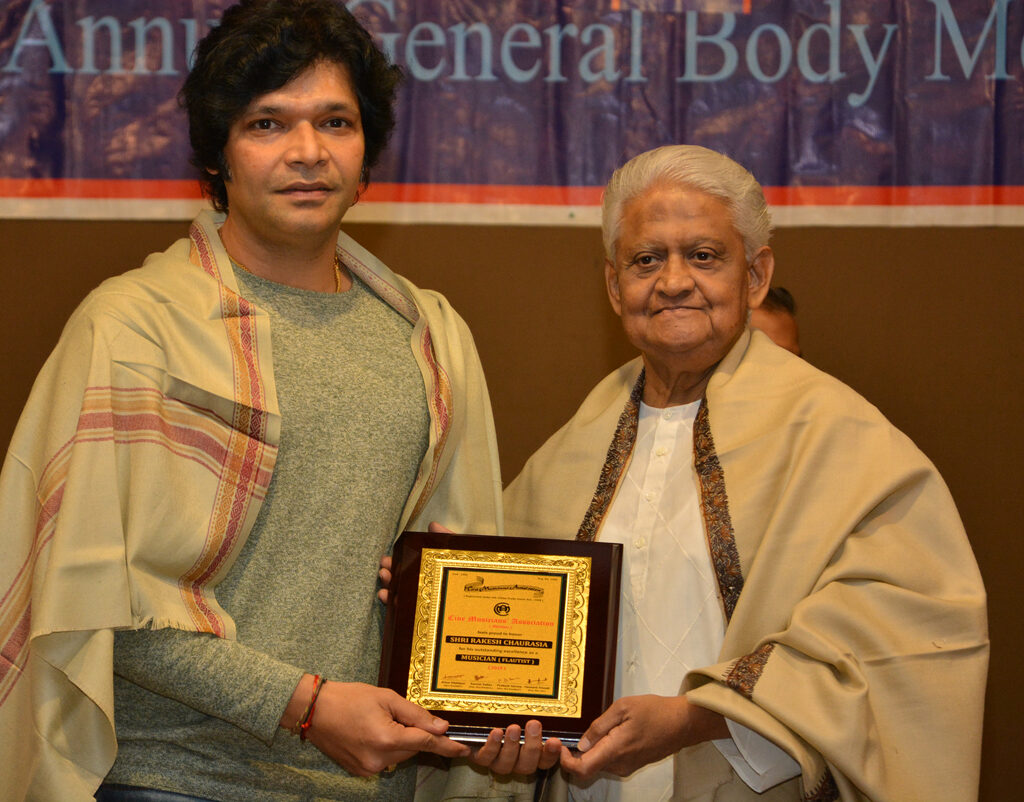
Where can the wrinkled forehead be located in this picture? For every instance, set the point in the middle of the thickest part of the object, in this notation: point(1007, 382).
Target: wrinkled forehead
point(667, 202)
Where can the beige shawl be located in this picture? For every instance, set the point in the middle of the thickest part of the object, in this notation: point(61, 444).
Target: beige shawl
point(856, 636)
point(138, 468)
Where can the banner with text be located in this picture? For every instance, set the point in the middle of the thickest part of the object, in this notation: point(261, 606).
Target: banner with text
point(849, 112)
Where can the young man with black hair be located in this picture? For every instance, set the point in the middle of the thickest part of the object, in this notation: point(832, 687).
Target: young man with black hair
point(219, 450)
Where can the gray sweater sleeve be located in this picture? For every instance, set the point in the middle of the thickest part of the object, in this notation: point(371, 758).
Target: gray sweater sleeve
point(221, 678)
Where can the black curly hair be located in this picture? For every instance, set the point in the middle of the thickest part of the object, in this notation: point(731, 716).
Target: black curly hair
point(258, 47)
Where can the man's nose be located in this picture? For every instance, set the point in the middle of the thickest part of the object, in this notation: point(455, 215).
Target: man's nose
point(305, 145)
point(676, 276)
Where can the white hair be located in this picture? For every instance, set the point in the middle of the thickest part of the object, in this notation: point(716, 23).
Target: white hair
point(697, 168)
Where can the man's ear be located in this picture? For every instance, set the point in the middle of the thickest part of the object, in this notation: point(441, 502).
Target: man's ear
point(611, 279)
point(221, 169)
point(761, 270)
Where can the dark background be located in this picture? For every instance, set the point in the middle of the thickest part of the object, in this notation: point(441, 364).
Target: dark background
point(925, 322)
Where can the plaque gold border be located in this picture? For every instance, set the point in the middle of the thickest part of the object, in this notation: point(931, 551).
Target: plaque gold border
point(408, 620)
point(572, 635)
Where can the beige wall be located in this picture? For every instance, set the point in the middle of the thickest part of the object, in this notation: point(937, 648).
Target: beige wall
point(924, 322)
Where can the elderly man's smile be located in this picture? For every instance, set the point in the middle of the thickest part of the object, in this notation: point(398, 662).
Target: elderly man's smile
point(676, 310)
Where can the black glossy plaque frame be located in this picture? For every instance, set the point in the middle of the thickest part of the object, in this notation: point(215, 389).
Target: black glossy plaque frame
point(602, 615)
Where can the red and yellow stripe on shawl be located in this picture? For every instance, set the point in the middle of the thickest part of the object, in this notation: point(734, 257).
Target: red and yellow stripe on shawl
point(15, 617)
point(122, 416)
point(248, 459)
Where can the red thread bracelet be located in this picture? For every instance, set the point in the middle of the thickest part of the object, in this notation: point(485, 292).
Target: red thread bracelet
point(296, 727)
point(307, 720)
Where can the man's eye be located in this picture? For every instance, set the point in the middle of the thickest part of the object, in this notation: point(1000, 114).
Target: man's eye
point(263, 125)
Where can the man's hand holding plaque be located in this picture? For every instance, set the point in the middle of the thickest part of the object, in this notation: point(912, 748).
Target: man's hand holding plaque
point(504, 752)
point(389, 729)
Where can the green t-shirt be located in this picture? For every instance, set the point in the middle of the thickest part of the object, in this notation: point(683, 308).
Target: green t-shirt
point(199, 715)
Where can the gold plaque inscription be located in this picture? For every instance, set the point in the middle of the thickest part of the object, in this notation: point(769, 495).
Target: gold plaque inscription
point(500, 632)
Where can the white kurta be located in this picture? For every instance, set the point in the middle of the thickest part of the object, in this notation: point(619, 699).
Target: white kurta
point(671, 619)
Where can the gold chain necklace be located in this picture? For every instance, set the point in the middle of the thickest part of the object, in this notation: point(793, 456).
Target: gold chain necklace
point(337, 269)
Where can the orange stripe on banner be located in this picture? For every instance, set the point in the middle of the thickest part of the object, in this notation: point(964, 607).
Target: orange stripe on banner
point(895, 196)
point(778, 196)
point(484, 193)
point(73, 188)
point(99, 188)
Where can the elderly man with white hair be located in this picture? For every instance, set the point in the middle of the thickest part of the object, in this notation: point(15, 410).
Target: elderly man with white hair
point(802, 617)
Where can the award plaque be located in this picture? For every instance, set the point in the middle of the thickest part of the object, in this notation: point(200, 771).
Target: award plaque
point(488, 631)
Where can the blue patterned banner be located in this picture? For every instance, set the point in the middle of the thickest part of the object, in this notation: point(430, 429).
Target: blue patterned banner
point(848, 111)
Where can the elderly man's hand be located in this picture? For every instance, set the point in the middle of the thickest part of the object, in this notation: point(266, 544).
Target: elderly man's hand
point(637, 730)
point(385, 578)
point(503, 754)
